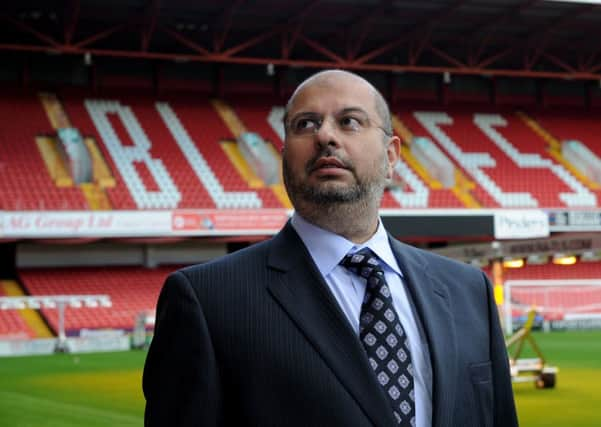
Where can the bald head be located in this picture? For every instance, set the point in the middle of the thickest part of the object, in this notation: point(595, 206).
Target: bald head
point(327, 76)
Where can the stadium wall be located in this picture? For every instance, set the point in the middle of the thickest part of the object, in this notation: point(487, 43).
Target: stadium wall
point(116, 254)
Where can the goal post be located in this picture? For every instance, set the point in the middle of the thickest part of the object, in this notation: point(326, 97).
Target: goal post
point(561, 303)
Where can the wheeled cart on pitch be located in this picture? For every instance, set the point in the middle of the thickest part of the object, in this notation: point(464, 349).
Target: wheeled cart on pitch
point(535, 369)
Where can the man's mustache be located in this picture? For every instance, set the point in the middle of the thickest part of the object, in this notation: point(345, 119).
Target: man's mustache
point(328, 152)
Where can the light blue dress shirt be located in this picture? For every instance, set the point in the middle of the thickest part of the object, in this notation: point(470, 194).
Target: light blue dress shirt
point(327, 250)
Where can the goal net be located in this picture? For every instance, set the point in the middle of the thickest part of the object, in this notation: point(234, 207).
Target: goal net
point(560, 304)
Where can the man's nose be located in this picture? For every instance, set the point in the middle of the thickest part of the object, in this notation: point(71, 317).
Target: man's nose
point(327, 134)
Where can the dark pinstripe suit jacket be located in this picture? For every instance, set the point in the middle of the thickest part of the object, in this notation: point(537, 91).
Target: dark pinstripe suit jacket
point(256, 339)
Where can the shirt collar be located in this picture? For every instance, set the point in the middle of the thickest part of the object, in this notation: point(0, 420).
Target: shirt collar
point(327, 249)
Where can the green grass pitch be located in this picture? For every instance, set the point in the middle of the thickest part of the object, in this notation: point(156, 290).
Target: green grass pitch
point(104, 389)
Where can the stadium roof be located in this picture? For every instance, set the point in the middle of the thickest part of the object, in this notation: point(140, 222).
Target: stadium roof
point(532, 38)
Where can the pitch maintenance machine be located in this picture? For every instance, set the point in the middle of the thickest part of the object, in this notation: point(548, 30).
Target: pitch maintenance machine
point(533, 369)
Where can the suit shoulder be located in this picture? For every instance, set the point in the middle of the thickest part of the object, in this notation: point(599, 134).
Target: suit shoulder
point(453, 263)
point(438, 263)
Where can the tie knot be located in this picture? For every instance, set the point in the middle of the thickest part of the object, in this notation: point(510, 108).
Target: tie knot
point(363, 262)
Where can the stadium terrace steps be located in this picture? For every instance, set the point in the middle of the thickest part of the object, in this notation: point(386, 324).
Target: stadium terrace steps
point(132, 290)
point(96, 197)
point(56, 114)
point(25, 323)
point(53, 161)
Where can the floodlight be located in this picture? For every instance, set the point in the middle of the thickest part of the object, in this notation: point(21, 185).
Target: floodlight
point(513, 262)
point(446, 77)
point(563, 259)
point(270, 69)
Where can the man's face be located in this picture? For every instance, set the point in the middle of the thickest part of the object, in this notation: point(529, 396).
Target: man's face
point(335, 150)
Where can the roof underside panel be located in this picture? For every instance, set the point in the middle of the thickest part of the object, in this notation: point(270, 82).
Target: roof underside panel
point(493, 37)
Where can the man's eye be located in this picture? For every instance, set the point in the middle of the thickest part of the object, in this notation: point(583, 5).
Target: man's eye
point(350, 123)
point(304, 125)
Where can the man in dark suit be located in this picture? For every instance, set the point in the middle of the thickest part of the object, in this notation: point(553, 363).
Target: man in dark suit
point(332, 322)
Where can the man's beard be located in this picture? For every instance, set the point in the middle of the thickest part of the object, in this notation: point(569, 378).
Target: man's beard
point(363, 191)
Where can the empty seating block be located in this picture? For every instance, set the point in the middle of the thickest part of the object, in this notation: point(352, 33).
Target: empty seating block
point(25, 183)
point(165, 153)
point(132, 290)
point(507, 161)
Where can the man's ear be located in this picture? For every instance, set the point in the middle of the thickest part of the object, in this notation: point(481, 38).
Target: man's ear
point(393, 153)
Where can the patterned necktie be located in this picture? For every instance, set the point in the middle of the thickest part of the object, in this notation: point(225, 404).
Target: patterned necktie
point(383, 337)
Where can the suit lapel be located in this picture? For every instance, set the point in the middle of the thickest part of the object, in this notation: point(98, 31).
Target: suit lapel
point(305, 297)
point(431, 301)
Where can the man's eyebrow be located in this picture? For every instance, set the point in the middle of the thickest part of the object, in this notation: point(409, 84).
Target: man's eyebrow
point(353, 110)
point(301, 114)
point(343, 111)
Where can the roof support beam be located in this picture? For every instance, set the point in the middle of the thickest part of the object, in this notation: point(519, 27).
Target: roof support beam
point(184, 40)
point(365, 26)
point(447, 57)
point(226, 22)
point(150, 18)
point(550, 28)
point(493, 23)
point(289, 38)
point(591, 59)
point(595, 69)
point(221, 58)
point(279, 29)
point(416, 47)
point(492, 59)
point(561, 64)
point(428, 22)
point(29, 29)
point(338, 61)
point(72, 16)
point(252, 42)
point(101, 35)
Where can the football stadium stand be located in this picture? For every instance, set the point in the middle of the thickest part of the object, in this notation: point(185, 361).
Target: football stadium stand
point(580, 270)
point(179, 152)
point(557, 292)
